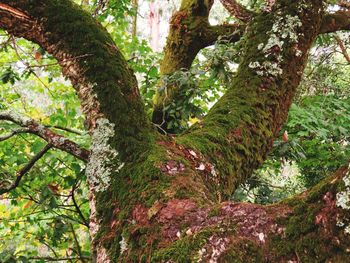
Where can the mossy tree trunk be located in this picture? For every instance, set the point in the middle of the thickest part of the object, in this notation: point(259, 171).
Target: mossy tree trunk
point(156, 198)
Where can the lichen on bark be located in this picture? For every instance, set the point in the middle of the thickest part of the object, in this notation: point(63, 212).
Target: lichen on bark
point(104, 159)
point(158, 198)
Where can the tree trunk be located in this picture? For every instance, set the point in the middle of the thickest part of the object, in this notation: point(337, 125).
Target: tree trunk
point(157, 198)
point(154, 21)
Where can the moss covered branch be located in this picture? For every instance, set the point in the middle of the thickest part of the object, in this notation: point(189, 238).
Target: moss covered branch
point(95, 66)
point(105, 84)
point(304, 228)
point(239, 130)
point(156, 198)
point(237, 10)
point(190, 32)
point(335, 22)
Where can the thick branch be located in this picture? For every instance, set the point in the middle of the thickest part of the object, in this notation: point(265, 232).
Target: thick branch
point(300, 229)
point(190, 32)
point(26, 169)
point(344, 4)
point(335, 22)
point(56, 140)
point(240, 129)
point(237, 10)
point(105, 84)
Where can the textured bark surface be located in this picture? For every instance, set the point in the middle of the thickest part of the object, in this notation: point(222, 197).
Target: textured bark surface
point(157, 198)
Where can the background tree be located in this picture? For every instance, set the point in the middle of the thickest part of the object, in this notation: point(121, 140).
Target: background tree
point(160, 191)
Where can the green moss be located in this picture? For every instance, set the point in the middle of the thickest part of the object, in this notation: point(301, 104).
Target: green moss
point(100, 66)
point(185, 249)
point(243, 251)
point(189, 32)
point(239, 130)
point(303, 222)
point(182, 193)
point(302, 237)
point(236, 134)
point(215, 211)
point(143, 183)
point(310, 249)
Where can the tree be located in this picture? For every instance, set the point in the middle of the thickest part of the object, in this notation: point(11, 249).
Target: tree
point(156, 197)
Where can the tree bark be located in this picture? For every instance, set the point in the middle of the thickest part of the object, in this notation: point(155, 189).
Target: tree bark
point(156, 198)
point(189, 32)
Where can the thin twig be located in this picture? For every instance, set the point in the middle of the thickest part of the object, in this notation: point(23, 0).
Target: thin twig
point(15, 47)
point(77, 244)
point(237, 10)
point(342, 48)
point(64, 129)
point(58, 141)
point(26, 169)
point(78, 210)
point(13, 133)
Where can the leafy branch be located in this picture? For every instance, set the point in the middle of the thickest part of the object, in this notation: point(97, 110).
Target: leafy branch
point(33, 127)
point(26, 169)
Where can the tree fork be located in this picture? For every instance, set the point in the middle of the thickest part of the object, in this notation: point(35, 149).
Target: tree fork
point(190, 32)
point(153, 202)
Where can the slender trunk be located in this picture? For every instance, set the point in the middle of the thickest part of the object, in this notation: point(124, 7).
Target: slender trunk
point(154, 25)
point(135, 4)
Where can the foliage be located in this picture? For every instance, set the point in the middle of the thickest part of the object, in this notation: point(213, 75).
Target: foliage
point(41, 213)
point(47, 215)
point(201, 86)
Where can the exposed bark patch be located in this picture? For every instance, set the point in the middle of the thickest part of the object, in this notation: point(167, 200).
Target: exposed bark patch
point(94, 223)
point(172, 167)
point(196, 160)
point(140, 215)
point(328, 214)
point(13, 11)
point(102, 255)
point(252, 221)
point(177, 19)
point(115, 222)
point(183, 217)
point(213, 249)
point(171, 217)
point(217, 234)
point(89, 105)
point(235, 134)
point(175, 209)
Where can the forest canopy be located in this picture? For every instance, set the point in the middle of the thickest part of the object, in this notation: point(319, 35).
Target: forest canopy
point(46, 139)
